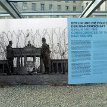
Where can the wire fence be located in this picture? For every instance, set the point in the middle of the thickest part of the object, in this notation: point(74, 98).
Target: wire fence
point(56, 38)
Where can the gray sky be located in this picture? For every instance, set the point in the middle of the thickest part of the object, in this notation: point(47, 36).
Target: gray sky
point(58, 24)
point(15, 24)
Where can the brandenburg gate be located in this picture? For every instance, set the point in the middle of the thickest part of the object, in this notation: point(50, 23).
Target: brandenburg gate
point(21, 55)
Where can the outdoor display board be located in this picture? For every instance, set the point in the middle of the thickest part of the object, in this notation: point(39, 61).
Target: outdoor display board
point(87, 50)
point(76, 51)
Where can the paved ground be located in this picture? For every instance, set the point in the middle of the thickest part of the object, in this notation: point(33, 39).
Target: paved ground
point(22, 95)
point(43, 79)
point(94, 95)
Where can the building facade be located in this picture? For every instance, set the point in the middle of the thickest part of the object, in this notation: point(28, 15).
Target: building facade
point(48, 8)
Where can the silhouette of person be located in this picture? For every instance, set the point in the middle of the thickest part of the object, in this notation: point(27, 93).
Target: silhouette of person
point(10, 57)
point(45, 55)
point(29, 44)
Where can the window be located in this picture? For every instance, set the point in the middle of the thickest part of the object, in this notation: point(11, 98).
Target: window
point(82, 8)
point(66, 1)
point(74, 16)
point(66, 8)
point(24, 5)
point(59, 7)
point(50, 6)
point(42, 7)
point(34, 6)
point(86, 3)
point(98, 9)
point(16, 4)
point(74, 8)
point(74, 1)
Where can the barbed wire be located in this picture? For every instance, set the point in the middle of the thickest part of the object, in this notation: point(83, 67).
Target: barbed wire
point(56, 38)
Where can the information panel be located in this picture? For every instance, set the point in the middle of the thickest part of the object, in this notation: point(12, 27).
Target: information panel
point(87, 50)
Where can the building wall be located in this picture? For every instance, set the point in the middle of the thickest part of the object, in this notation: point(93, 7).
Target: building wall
point(49, 6)
point(56, 6)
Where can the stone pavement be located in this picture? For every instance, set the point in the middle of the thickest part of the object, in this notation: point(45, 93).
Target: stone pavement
point(93, 95)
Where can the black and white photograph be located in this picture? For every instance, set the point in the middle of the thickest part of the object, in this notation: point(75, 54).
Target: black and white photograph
point(34, 51)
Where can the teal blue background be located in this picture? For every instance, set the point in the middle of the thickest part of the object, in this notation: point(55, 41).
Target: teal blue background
point(98, 51)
